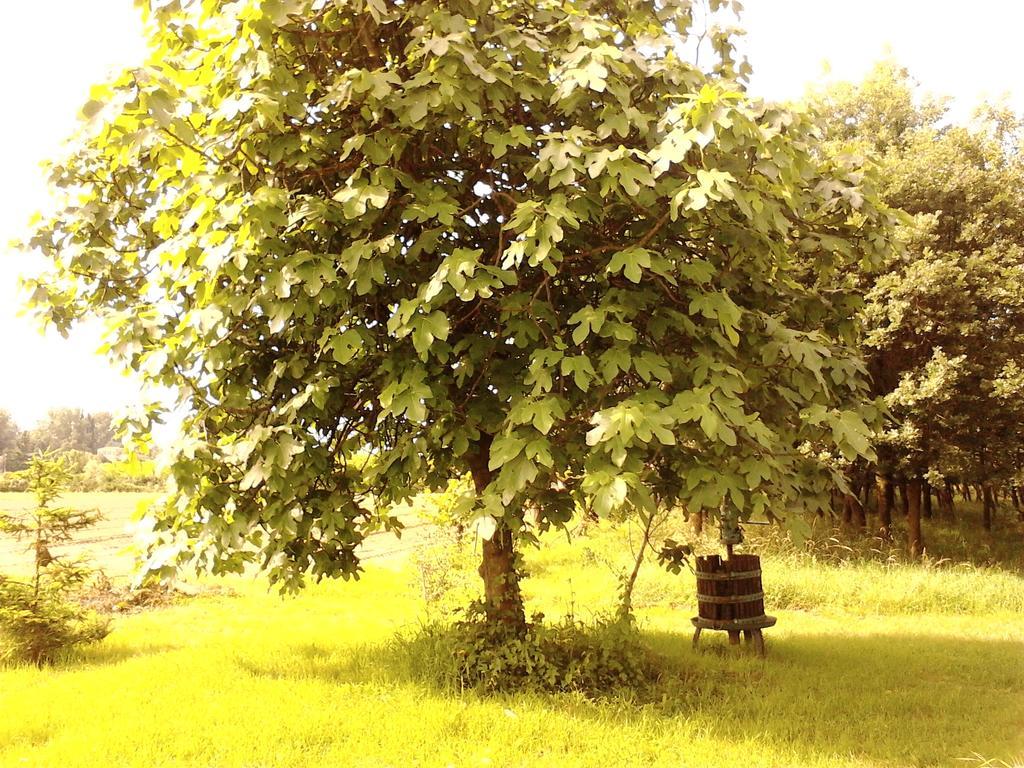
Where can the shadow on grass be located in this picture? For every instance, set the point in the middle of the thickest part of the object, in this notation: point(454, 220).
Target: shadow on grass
point(104, 654)
point(921, 699)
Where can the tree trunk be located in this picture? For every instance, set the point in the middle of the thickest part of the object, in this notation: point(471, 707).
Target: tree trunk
point(503, 601)
point(950, 507)
point(883, 485)
point(853, 512)
point(912, 491)
point(865, 497)
point(904, 501)
point(988, 506)
point(1015, 498)
point(698, 522)
point(626, 598)
point(927, 499)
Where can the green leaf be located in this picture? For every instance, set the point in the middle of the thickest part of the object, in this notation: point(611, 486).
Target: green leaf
point(588, 320)
point(504, 449)
point(581, 369)
point(427, 328)
point(631, 262)
point(345, 346)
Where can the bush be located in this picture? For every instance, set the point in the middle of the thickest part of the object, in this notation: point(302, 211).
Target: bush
point(118, 476)
point(13, 482)
point(39, 627)
point(568, 656)
point(87, 472)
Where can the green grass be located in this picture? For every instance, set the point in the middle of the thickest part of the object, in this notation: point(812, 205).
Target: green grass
point(871, 664)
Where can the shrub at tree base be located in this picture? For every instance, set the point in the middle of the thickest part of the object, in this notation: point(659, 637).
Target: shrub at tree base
point(39, 628)
point(568, 656)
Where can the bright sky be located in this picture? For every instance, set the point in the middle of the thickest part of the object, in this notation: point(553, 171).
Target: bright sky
point(967, 51)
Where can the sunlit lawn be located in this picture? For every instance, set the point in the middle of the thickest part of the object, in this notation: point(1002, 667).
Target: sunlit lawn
point(901, 666)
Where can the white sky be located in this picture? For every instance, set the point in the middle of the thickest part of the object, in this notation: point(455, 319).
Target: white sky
point(965, 50)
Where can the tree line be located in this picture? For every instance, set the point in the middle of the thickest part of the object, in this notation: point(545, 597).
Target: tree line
point(943, 320)
point(61, 430)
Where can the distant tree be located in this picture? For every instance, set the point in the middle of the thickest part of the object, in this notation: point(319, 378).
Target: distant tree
point(524, 241)
point(72, 429)
point(945, 320)
point(9, 436)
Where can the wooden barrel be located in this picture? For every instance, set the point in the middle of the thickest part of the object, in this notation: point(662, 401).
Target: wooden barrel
point(728, 590)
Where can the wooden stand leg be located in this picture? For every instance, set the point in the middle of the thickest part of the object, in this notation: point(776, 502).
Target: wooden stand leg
point(759, 642)
point(696, 637)
point(748, 636)
point(734, 637)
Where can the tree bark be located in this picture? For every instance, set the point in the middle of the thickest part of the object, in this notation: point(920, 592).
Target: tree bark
point(904, 501)
point(988, 506)
point(698, 521)
point(502, 598)
point(853, 512)
point(883, 484)
point(503, 602)
point(865, 495)
point(927, 499)
point(915, 540)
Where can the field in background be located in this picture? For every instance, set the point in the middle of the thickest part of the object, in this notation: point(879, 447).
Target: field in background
point(874, 662)
point(107, 544)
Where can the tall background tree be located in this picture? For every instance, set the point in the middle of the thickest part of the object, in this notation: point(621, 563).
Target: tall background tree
point(517, 239)
point(945, 319)
point(65, 429)
point(10, 433)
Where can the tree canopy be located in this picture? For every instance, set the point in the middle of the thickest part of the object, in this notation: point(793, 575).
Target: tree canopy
point(65, 429)
point(374, 246)
point(944, 321)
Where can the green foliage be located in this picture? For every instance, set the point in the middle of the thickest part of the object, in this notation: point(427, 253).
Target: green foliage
point(674, 557)
point(476, 654)
point(89, 474)
point(534, 243)
point(39, 619)
point(40, 627)
point(444, 565)
point(13, 482)
point(944, 324)
point(70, 429)
point(9, 434)
point(130, 475)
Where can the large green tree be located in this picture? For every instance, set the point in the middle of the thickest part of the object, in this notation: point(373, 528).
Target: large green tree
point(944, 321)
point(373, 246)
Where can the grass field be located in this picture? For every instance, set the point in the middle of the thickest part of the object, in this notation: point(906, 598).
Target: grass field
point(106, 544)
point(871, 664)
